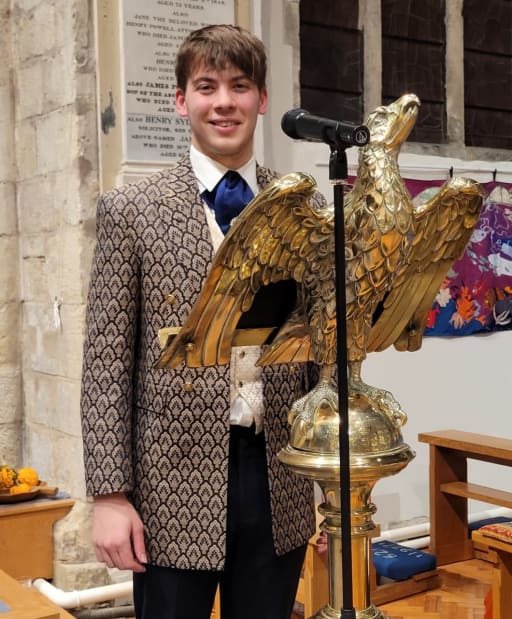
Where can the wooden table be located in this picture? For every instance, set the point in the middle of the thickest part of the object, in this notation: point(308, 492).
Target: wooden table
point(450, 489)
point(26, 536)
point(26, 603)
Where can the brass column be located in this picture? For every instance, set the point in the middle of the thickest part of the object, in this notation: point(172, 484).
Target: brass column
point(377, 450)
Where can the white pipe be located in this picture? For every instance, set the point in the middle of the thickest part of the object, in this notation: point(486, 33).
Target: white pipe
point(405, 533)
point(408, 534)
point(75, 599)
point(418, 542)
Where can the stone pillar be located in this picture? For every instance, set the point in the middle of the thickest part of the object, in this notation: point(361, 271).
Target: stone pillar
point(55, 146)
point(10, 366)
point(370, 23)
point(455, 73)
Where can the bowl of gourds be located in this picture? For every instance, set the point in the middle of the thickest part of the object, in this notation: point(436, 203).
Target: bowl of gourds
point(22, 484)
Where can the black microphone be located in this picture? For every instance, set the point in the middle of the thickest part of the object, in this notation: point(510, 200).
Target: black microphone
point(300, 124)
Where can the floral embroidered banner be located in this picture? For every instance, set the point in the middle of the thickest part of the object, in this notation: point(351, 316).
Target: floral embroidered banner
point(476, 295)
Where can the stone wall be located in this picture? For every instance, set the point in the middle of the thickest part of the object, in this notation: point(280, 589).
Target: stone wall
point(49, 190)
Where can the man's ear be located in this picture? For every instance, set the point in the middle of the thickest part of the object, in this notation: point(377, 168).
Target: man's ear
point(181, 105)
point(262, 108)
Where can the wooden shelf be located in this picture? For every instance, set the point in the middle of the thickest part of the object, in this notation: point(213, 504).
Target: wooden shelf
point(475, 446)
point(478, 493)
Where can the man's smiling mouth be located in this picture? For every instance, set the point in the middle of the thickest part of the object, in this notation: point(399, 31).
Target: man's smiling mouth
point(224, 123)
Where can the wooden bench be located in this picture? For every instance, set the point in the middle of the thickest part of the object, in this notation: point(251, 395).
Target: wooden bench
point(501, 552)
point(313, 589)
point(450, 489)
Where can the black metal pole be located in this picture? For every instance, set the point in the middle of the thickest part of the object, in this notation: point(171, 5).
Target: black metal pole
point(337, 176)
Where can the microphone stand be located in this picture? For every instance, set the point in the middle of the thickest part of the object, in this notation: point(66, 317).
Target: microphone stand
point(337, 176)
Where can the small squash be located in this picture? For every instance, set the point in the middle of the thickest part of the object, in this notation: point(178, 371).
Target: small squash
point(28, 476)
point(8, 477)
point(19, 489)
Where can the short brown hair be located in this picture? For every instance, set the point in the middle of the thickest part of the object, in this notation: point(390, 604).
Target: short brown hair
point(219, 46)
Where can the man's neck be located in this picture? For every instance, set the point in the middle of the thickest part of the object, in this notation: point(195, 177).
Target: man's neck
point(209, 171)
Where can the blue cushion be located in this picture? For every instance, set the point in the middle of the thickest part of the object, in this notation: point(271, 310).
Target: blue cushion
point(399, 562)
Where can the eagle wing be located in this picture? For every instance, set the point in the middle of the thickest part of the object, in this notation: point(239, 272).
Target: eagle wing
point(443, 228)
point(272, 240)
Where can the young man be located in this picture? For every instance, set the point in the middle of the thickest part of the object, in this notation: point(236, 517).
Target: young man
point(182, 464)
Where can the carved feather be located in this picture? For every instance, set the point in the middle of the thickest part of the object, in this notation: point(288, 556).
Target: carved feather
point(443, 228)
point(270, 241)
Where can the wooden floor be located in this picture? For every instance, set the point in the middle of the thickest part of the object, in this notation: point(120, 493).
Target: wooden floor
point(464, 587)
point(461, 595)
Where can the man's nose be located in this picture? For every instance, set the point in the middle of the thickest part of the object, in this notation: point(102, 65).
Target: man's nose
point(224, 97)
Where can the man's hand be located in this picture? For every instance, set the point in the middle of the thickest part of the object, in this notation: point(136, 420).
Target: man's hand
point(118, 533)
point(321, 543)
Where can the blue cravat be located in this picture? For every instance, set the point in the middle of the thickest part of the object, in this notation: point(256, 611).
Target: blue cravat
point(228, 198)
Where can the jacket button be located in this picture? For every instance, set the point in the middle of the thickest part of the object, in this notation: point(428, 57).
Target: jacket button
point(188, 387)
point(293, 370)
point(171, 299)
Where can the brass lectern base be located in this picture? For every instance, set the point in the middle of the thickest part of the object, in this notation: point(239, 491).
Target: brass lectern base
point(327, 612)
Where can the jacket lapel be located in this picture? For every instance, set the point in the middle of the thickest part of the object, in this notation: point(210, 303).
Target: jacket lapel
point(181, 207)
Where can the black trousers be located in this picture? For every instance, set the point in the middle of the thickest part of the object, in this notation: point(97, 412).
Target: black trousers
point(255, 584)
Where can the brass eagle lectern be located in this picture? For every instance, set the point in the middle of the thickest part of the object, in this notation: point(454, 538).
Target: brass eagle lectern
point(396, 256)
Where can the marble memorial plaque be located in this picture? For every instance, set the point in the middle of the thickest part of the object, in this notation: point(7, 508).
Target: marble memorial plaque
point(152, 31)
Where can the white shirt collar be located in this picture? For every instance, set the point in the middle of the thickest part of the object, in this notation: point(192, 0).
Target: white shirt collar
point(209, 172)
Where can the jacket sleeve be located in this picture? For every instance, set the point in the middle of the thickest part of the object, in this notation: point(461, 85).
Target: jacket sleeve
point(109, 349)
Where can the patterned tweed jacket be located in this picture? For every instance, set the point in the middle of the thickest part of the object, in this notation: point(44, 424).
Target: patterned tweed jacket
point(162, 436)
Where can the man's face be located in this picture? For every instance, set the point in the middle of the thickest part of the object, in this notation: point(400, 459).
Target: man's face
point(222, 107)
